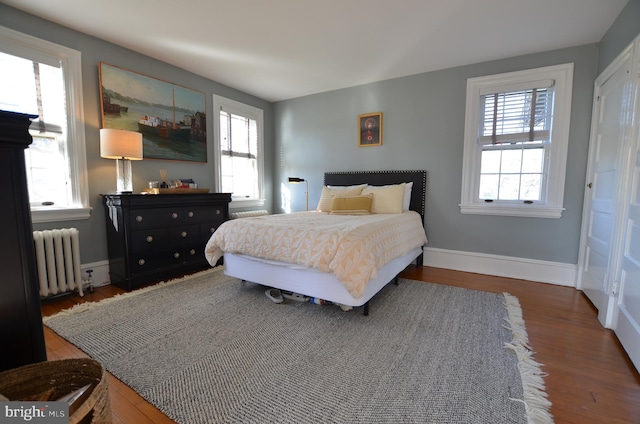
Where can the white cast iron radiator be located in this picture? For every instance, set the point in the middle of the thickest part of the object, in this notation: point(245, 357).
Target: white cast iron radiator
point(58, 261)
point(246, 214)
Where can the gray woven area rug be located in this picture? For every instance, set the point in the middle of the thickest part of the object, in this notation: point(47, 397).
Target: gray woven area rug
point(210, 349)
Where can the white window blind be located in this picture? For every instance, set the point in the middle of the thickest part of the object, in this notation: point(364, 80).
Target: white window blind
point(240, 135)
point(38, 88)
point(35, 88)
point(44, 79)
point(516, 117)
point(239, 151)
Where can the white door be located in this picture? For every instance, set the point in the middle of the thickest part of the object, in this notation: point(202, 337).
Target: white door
point(627, 311)
point(601, 217)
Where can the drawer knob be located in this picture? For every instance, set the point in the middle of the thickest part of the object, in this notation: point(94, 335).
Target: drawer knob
point(183, 234)
point(149, 239)
point(192, 252)
point(212, 230)
point(141, 261)
point(190, 214)
point(174, 215)
point(139, 218)
point(176, 255)
point(217, 211)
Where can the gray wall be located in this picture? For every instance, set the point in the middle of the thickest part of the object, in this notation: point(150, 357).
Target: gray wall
point(423, 128)
point(102, 176)
point(625, 28)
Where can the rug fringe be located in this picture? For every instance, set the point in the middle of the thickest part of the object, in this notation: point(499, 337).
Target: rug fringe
point(86, 306)
point(535, 400)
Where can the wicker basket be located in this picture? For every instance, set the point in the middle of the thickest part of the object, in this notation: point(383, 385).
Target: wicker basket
point(64, 376)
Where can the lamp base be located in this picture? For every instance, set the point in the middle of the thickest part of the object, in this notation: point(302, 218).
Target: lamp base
point(124, 181)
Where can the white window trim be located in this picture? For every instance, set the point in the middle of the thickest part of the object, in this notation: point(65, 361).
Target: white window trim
point(553, 206)
point(258, 114)
point(16, 43)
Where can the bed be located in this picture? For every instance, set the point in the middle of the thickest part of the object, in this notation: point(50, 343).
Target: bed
point(338, 279)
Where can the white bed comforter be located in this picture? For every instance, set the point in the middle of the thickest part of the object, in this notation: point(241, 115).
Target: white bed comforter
point(352, 247)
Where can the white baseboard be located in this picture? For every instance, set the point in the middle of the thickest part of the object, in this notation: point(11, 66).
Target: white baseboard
point(100, 273)
point(502, 266)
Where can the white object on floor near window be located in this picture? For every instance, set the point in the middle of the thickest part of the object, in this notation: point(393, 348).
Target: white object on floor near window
point(42, 78)
point(516, 140)
point(239, 147)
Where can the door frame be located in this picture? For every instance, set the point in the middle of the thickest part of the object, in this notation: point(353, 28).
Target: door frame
point(607, 313)
point(625, 323)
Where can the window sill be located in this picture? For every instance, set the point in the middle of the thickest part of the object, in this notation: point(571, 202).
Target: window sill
point(59, 214)
point(522, 211)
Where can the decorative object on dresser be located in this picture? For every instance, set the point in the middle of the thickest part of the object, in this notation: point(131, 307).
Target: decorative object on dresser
point(20, 315)
point(123, 146)
point(155, 237)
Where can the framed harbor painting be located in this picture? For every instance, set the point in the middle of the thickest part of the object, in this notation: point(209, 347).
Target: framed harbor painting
point(370, 129)
point(171, 118)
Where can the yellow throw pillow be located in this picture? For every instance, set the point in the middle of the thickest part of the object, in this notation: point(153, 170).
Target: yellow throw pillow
point(352, 205)
point(386, 199)
point(328, 193)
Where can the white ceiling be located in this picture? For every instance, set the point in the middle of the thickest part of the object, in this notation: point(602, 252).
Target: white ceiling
point(281, 49)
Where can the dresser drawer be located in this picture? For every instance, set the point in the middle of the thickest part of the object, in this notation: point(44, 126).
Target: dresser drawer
point(206, 230)
point(181, 233)
point(194, 251)
point(201, 214)
point(149, 240)
point(159, 217)
point(152, 261)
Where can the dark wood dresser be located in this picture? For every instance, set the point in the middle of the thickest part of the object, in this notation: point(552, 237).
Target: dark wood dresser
point(155, 237)
point(20, 317)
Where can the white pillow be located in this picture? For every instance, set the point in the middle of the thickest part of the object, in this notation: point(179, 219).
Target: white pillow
point(406, 201)
point(386, 199)
point(361, 186)
point(324, 204)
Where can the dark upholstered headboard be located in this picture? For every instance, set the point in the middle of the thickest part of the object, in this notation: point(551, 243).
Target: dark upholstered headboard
point(378, 178)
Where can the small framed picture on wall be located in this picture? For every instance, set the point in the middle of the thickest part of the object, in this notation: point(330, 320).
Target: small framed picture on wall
point(370, 129)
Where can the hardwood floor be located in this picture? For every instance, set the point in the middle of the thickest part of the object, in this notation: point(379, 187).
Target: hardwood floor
point(590, 378)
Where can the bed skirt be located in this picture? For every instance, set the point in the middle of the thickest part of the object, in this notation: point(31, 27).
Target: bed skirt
point(309, 281)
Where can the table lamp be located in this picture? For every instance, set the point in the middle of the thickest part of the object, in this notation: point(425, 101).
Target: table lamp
point(123, 146)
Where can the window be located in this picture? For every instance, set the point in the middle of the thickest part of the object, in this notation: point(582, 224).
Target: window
point(516, 140)
point(239, 142)
point(44, 79)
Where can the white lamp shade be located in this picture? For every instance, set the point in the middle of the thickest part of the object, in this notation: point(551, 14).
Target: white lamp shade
point(120, 144)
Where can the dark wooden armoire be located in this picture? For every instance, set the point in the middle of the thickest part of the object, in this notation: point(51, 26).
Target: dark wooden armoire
point(21, 329)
